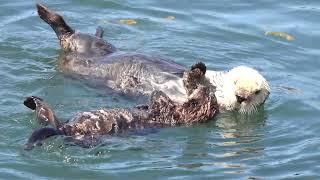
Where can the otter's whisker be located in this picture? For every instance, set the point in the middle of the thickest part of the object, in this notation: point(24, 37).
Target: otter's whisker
point(250, 110)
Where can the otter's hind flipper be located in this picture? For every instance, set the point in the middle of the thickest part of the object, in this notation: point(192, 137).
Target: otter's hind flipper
point(56, 21)
point(99, 32)
point(39, 135)
point(44, 113)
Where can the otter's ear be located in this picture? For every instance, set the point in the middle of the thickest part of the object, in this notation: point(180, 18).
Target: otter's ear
point(201, 66)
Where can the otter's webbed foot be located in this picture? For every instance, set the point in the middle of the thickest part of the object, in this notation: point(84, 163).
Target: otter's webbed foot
point(55, 20)
point(44, 113)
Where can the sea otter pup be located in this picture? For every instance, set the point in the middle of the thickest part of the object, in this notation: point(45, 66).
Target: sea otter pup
point(241, 89)
point(161, 111)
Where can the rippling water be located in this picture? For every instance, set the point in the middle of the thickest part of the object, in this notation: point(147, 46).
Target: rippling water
point(280, 142)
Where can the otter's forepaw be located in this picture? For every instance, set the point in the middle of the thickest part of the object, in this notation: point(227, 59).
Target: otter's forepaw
point(159, 100)
point(199, 65)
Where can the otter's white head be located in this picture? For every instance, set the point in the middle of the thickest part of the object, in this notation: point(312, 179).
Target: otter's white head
point(242, 89)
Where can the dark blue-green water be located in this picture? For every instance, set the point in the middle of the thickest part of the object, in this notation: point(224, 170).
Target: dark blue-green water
point(281, 142)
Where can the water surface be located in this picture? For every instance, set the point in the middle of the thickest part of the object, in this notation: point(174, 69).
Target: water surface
point(281, 142)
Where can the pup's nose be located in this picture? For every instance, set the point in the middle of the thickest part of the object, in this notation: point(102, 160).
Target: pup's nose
point(240, 99)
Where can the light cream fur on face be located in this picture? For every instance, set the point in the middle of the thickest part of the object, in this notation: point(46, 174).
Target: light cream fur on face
point(245, 83)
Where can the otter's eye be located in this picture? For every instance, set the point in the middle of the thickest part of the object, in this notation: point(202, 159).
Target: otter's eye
point(257, 92)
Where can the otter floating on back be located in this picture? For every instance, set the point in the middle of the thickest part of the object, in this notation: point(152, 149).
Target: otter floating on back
point(161, 111)
point(242, 88)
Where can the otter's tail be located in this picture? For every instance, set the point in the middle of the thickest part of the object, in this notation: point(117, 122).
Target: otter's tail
point(39, 135)
point(55, 20)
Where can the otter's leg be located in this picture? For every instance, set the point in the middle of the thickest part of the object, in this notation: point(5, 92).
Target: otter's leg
point(39, 135)
point(44, 113)
point(56, 21)
point(99, 32)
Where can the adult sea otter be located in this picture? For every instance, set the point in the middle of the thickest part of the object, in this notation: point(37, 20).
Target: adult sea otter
point(241, 89)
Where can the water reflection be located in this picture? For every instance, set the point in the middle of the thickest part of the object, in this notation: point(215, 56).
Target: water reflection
point(235, 129)
point(235, 121)
point(231, 140)
point(239, 137)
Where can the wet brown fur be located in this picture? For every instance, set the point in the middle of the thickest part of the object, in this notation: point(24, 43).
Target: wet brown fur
point(161, 111)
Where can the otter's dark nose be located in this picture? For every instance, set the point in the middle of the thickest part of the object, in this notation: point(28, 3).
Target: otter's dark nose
point(240, 99)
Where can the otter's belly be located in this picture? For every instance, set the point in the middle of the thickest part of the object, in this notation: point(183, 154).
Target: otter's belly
point(130, 73)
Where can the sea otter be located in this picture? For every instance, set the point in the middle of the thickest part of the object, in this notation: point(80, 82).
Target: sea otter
point(241, 89)
point(161, 111)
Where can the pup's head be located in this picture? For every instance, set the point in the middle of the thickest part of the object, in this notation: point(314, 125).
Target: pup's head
point(251, 88)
